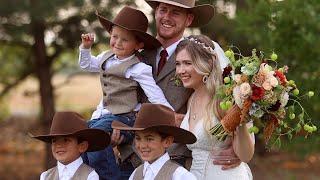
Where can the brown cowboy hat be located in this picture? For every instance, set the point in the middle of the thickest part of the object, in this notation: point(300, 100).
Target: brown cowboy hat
point(132, 20)
point(159, 118)
point(202, 13)
point(72, 124)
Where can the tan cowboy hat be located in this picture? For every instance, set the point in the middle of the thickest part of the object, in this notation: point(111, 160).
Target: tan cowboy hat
point(202, 13)
point(159, 118)
point(71, 123)
point(132, 20)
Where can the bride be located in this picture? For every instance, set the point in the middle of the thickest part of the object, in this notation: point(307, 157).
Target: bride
point(198, 68)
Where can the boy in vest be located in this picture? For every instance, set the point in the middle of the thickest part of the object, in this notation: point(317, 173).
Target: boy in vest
point(121, 73)
point(155, 131)
point(70, 137)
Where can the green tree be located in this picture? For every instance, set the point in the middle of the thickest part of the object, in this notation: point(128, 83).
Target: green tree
point(33, 36)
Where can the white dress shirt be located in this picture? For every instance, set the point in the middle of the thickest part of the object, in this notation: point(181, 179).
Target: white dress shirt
point(150, 171)
point(140, 72)
point(67, 171)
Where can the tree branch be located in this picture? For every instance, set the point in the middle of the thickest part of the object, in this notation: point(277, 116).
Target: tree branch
point(8, 87)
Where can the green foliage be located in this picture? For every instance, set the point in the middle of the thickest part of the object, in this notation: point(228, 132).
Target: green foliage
point(4, 112)
point(290, 28)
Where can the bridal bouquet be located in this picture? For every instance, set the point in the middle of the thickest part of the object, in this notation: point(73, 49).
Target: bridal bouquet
point(256, 89)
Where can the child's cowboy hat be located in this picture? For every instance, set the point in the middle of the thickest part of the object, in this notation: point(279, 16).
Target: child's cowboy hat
point(160, 119)
point(202, 13)
point(72, 124)
point(132, 20)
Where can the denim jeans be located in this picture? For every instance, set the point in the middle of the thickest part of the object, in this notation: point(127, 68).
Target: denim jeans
point(104, 161)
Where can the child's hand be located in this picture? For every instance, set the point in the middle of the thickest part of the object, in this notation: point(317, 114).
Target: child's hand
point(87, 40)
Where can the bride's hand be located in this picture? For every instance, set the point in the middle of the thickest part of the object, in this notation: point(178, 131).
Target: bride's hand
point(225, 157)
point(178, 118)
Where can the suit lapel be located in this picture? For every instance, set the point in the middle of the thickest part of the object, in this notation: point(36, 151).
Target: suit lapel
point(168, 67)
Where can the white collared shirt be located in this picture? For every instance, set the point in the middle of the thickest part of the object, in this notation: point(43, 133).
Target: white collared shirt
point(140, 72)
point(150, 171)
point(67, 171)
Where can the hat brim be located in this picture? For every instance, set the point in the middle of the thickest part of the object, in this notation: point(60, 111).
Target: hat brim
point(149, 41)
point(97, 138)
point(202, 13)
point(180, 135)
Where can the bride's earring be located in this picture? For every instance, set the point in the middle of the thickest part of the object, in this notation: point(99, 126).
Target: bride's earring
point(205, 78)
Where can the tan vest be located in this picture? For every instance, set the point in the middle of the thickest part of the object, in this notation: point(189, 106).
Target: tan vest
point(82, 173)
point(119, 92)
point(165, 172)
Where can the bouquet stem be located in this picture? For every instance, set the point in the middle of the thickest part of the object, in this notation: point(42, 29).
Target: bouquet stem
point(231, 121)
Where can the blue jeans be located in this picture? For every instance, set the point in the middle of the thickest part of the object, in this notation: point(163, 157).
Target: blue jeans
point(104, 161)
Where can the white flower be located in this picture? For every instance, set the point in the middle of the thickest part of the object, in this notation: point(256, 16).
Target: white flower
point(237, 97)
point(265, 68)
point(266, 85)
point(237, 78)
point(284, 99)
point(273, 81)
point(270, 82)
point(245, 90)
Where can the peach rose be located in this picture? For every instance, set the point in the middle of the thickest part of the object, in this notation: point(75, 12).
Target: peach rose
point(245, 90)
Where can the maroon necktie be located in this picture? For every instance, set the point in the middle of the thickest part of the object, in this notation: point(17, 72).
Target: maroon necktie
point(163, 60)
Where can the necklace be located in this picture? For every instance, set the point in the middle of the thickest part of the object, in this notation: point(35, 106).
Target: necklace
point(193, 106)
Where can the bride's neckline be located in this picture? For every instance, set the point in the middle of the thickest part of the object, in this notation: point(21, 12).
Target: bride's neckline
point(193, 117)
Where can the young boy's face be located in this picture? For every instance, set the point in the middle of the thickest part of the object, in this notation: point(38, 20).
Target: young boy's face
point(151, 145)
point(66, 149)
point(123, 42)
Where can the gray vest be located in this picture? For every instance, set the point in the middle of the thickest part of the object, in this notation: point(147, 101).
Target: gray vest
point(165, 172)
point(82, 173)
point(119, 93)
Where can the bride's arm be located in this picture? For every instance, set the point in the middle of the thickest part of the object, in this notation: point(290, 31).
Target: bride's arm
point(243, 143)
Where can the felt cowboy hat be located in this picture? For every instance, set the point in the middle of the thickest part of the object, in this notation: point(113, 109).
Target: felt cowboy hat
point(132, 20)
point(159, 118)
point(72, 124)
point(202, 13)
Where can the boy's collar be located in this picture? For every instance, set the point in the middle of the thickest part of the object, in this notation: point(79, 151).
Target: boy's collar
point(157, 164)
point(71, 167)
point(125, 59)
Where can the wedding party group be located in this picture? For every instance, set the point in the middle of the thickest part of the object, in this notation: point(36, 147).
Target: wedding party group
point(158, 107)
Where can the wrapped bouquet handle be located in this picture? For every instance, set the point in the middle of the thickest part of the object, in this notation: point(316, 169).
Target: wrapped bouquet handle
point(234, 117)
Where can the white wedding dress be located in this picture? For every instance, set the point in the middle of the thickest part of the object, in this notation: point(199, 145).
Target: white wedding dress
point(202, 166)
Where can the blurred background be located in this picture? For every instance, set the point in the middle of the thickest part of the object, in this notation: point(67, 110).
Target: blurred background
point(39, 73)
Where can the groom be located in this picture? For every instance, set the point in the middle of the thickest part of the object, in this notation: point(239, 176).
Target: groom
point(172, 18)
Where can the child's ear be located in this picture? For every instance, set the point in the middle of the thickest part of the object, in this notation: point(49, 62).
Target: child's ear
point(168, 141)
point(83, 146)
point(140, 45)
